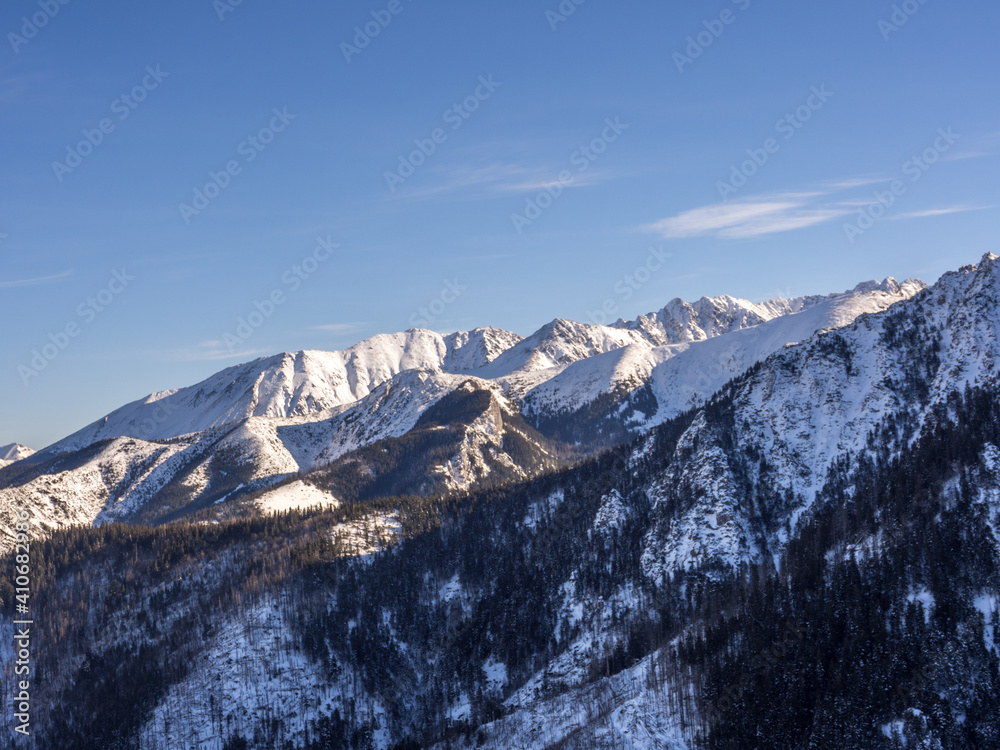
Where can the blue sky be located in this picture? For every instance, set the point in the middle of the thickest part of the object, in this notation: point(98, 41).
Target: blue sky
point(471, 164)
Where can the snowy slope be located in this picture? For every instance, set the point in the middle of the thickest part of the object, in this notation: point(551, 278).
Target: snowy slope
point(805, 406)
point(312, 383)
point(617, 371)
point(622, 711)
point(560, 342)
point(471, 436)
point(810, 385)
point(13, 453)
point(697, 371)
point(810, 404)
point(390, 410)
point(288, 385)
point(119, 478)
point(697, 362)
point(686, 500)
point(297, 495)
point(680, 322)
point(824, 397)
point(592, 357)
point(94, 483)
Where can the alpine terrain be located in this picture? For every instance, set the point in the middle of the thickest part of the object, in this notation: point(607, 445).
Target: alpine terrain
point(723, 525)
point(13, 453)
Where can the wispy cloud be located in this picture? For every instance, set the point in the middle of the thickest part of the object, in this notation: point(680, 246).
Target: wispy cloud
point(36, 280)
point(339, 327)
point(854, 182)
point(215, 350)
point(492, 179)
point(12, 84)
point(783, 212)
point(749, 218)
point(979, 147)
point(533, 186)
point(965, 155)
point(492, 176)
point(939, 212)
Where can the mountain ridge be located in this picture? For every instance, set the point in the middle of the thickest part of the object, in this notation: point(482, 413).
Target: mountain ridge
point(278, 385)
point(259, 424)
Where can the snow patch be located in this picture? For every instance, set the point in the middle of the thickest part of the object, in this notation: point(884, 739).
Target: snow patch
point(298, 495)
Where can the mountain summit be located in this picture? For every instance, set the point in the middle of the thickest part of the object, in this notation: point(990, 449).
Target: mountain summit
point(13, 453)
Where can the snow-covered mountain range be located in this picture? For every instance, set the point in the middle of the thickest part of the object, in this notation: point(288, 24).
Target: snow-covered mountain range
point(821, 471)
point(258, 424)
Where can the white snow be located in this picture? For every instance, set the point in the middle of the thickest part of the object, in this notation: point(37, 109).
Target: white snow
point(926, 599)
point(988, 603)
point(364, 537)
point(10, 454)
point(293, 384)
point(451, 589)
point(496, 674)
point(293, 412)
point(611, 515)
point(250, 672)
point(542, 509)
point(297, 495)
point(626, 710)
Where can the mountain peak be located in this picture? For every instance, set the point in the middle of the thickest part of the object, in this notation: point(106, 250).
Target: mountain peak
point(684, 322)
point(13, 453)
point(889, 285)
